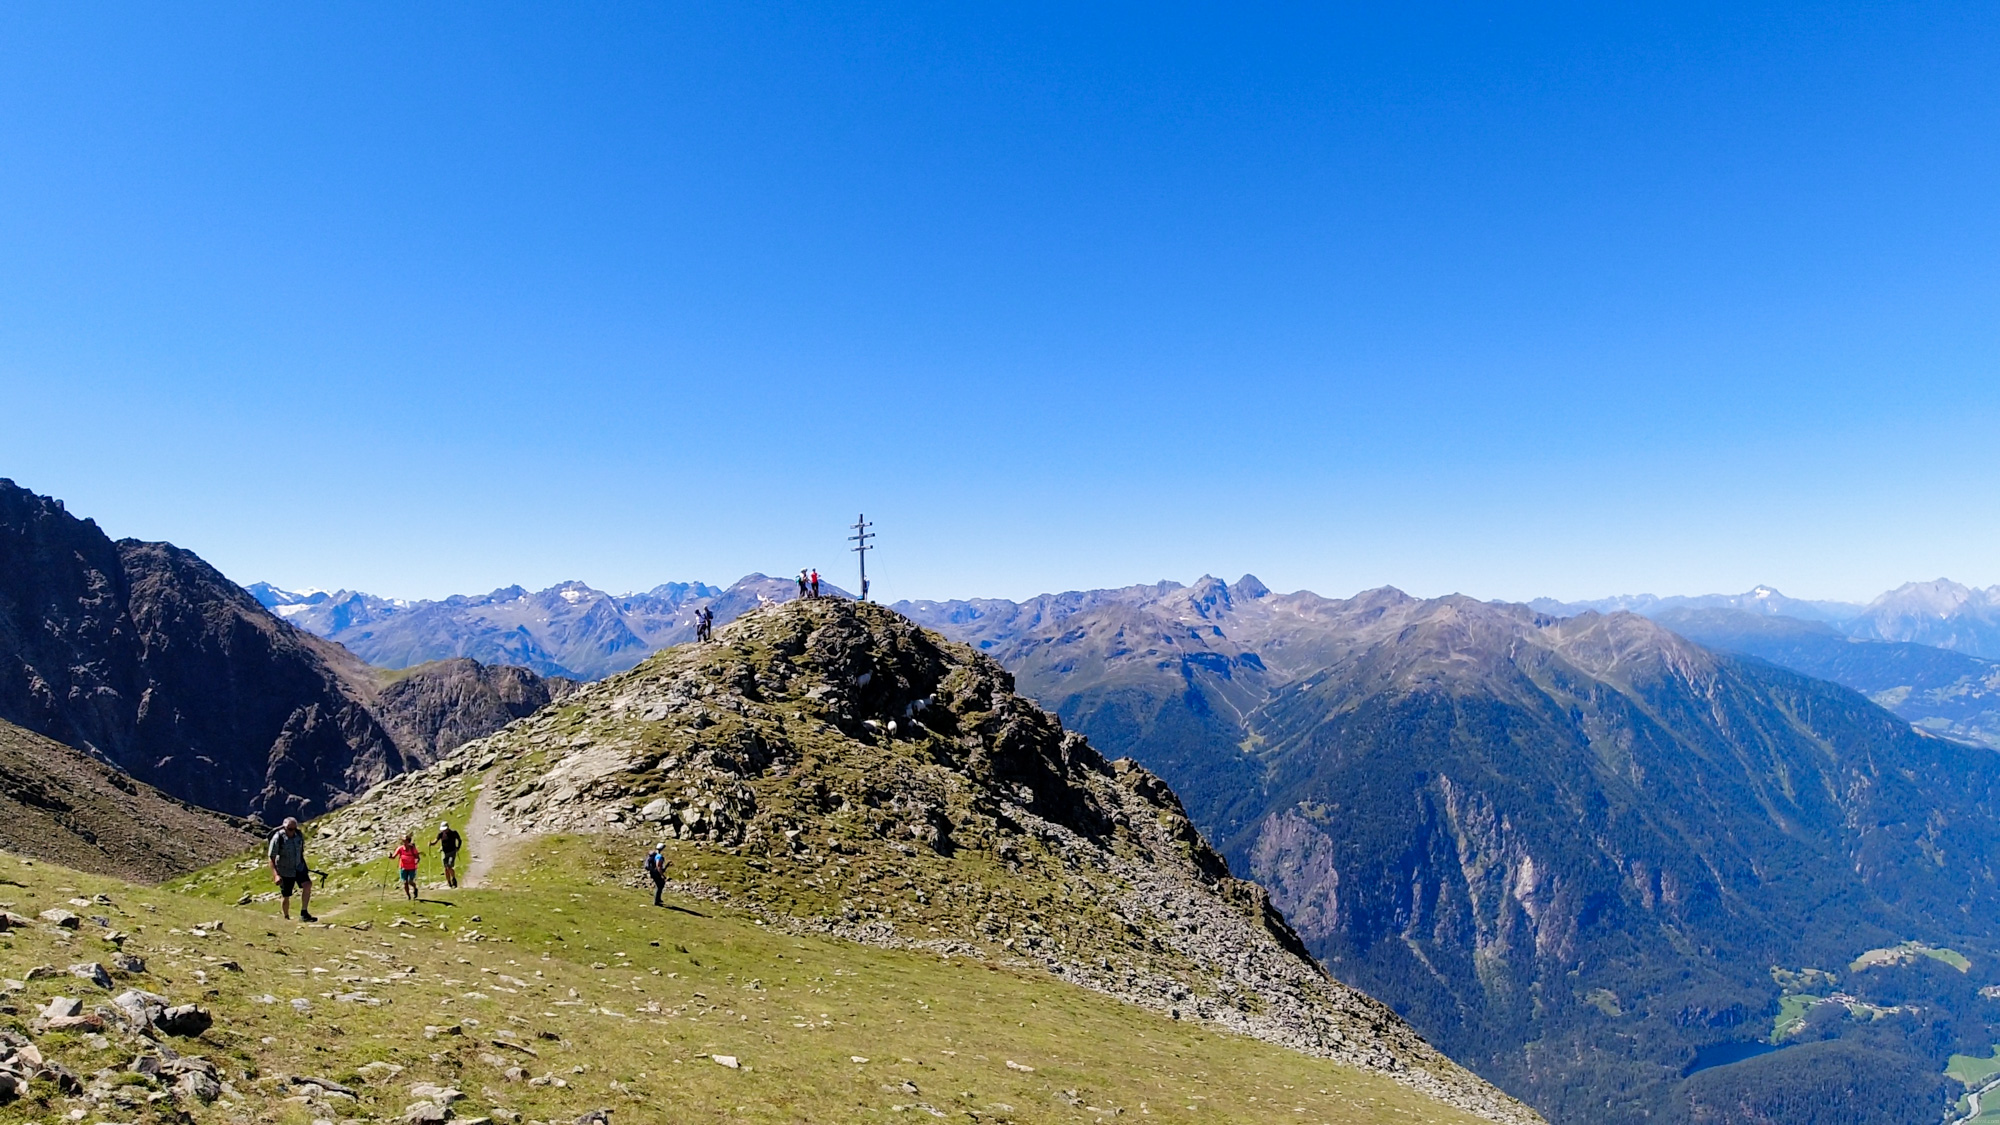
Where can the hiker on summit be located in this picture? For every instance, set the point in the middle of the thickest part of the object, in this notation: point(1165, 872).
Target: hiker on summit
point(406, 859)
point(449, 841)
point(287, 853)
point(815, 583)
point(656, 870)
point(802, 585)
point(707, 623)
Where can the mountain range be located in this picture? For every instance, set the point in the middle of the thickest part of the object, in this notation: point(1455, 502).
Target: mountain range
point(1629, 866)
point(1570, 850)
point(145, 657)
point(1940, 613)
point(568, 630)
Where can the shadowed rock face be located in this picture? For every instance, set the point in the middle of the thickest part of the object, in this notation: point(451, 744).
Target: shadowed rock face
point(59, 804)
point(143, 655)
point(440, 706)
point(1511, 825)
point(838, 769)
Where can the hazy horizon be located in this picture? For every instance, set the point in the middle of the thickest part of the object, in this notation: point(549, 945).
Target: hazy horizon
point(851, 580)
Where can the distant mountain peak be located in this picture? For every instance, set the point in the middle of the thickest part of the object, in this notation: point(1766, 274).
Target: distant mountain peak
point(1250, 587)
point(571, 629)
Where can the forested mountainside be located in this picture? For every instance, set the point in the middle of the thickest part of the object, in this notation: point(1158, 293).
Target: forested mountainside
point(146, 657)
point(1570, 850)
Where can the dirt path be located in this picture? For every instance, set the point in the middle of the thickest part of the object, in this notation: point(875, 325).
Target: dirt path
point(487, 837)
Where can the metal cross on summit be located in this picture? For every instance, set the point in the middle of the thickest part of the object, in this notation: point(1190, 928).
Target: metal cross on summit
point(860, 540)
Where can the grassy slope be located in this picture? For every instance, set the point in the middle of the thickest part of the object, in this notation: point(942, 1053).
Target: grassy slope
point(62, 805)
point(626, 1022)
point(1973, 1070)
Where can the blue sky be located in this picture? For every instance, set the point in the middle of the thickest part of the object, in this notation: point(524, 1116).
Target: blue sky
point(1512, 300)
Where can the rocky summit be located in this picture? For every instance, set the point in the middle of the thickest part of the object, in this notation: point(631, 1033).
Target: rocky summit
point(835, 769)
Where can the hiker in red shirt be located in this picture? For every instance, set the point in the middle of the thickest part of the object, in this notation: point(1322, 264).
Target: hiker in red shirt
point(815, 583)
point(406, 858)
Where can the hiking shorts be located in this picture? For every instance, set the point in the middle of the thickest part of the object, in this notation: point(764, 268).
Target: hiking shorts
point(409, 874)
point(451, 859)
point(289, 883)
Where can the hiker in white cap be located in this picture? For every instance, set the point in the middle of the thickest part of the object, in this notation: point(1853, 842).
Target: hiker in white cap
point(448, 842)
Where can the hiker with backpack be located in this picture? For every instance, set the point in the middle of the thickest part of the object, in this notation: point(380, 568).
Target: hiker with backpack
point(287, 853)
point(656, 870)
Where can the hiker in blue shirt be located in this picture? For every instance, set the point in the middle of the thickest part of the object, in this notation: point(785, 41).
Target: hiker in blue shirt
point(656, 870)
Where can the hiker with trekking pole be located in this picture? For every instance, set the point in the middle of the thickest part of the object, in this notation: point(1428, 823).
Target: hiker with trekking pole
point(287, 852)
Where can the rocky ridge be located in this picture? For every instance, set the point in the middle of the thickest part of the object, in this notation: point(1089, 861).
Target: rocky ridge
point(434, 708)
point(144, 656)
point(831, 766)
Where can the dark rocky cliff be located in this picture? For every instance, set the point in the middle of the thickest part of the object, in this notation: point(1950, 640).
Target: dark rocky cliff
point(441, 706)
point(146, 657)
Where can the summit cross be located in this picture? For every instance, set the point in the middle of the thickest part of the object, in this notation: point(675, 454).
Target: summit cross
point(860, 540)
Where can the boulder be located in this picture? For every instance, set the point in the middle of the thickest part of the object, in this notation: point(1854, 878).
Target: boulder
point(139, 1007)
point(64, 1079)
point(330, 1087)
point(68, 920)
point(184, 1019)
point(92, 972)
point(61, 1006)
point(197, 1086)
point(89, 1021)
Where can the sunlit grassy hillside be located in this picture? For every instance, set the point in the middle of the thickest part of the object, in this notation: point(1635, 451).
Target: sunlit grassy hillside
point(563, 990)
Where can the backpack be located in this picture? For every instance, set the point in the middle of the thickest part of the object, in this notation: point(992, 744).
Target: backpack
point(655, 863)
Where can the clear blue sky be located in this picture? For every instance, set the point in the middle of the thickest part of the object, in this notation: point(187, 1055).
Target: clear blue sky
point(430, 298)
